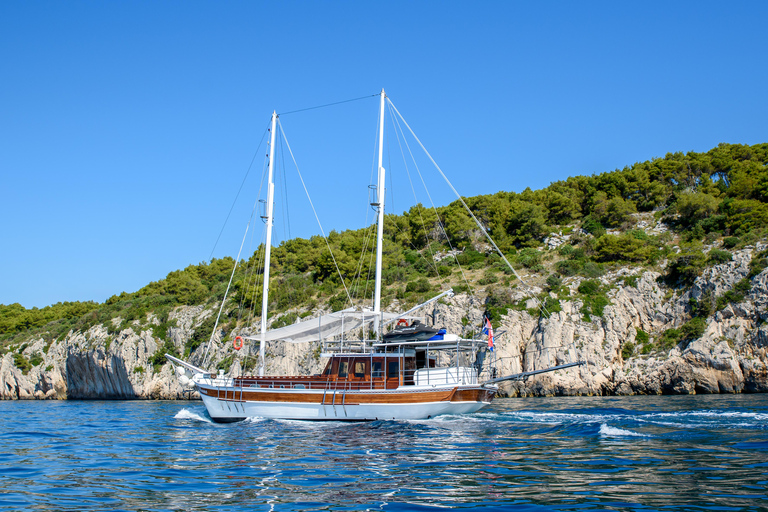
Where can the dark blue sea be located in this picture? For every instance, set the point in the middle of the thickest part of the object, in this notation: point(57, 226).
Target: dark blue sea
point(596, 453)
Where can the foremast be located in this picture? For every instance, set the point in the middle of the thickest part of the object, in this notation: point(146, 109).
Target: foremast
point(267, 244)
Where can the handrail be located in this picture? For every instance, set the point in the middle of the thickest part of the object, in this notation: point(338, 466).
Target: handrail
point(444, 375)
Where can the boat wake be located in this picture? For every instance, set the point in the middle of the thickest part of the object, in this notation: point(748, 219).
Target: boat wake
point(186, 414)
point(608, 431)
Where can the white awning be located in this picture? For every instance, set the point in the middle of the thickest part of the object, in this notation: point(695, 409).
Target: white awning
point(323, 327)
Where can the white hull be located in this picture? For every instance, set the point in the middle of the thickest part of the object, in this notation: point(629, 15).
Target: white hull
point(334, 408)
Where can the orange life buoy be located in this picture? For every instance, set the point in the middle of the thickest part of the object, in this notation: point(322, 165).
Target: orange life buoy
point(402, 322)
point(238, 343)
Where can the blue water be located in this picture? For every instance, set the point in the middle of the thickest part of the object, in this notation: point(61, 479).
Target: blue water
point(627, 453)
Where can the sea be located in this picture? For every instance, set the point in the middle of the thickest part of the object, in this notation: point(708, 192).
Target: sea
point(525, 454)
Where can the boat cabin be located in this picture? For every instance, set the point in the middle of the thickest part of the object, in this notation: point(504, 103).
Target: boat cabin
point(387, 366)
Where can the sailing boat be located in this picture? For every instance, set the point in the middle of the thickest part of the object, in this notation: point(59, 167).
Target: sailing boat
point(411, 373)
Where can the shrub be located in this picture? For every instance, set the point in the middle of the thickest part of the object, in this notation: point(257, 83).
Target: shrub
point(730, 242)
point(529, 258)
point(701, 307)
point(201, 335)
point(568, 267)
point(758, 263)
point(592, 270)
point(621, 248)
point(693, 329)
point(717, 256)
point(158, 359)
point(36, 359)
point(627, 350)
point(630, 281)
point(554, 282)
point(593, 226)
point(465, 258)
point(419, 286)
point(565, 250)
point(590, 287)
point(550, 305)
point(735, 294)
point(488, 278)
point(685, 268)
point(286, 319)
point(669, 339)
point(593, 298)
point(497, 303)
point(21, 363)
point(339, 300)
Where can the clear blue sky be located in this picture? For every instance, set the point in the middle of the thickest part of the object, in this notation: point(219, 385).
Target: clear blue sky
point(126, 128)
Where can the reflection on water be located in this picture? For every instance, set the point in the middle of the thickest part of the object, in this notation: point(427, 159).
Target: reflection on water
point(671, 453)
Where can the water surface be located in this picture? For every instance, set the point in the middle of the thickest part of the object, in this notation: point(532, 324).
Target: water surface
point(595, 453)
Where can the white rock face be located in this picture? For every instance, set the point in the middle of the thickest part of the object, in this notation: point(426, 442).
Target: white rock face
point(731, 356)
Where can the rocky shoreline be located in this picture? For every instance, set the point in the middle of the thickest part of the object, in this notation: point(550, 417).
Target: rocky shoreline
point(731, 356)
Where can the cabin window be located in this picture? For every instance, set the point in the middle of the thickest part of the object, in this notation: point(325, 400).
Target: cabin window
point(377, 371)
point(343, 368)
point(393, 370)
point(360, 369)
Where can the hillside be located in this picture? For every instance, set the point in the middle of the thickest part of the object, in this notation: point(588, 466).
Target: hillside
point(638, 269)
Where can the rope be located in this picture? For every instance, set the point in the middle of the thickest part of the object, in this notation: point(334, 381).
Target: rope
point(224, 300)
point(288, 145)
point(485, 232)
point(328, 105)
point(437, 216)
point(238, 192)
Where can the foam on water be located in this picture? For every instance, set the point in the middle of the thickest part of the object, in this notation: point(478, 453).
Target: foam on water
point(608, 431)
point(186, 414)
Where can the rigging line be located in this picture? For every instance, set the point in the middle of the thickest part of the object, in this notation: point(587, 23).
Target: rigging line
point(238, 192)
point(440, 223)
point(431, 261)
point(261, 187)
point(257, 278)
point(284, 190)
point(370, 267)
point(288, 145)
point(367, 235)
point(328, 104)
point(485, 232)
point(246, 280)
point(224, 299)
point(437, 215)
point(251, 278)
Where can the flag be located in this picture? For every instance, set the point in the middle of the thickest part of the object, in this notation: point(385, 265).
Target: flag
point(488, 329)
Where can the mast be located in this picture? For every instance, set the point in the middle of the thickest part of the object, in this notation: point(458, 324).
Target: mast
point(268, 244)
point(380, 233)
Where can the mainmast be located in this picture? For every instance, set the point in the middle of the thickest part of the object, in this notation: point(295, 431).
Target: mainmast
point(268, 244)
point(380, 235)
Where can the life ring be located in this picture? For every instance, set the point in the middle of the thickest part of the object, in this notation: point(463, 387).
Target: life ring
point(238, 343)
point(402, 322)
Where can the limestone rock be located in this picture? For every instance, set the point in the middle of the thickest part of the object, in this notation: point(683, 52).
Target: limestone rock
point(730, 357)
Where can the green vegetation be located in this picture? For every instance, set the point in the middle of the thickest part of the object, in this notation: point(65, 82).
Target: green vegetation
point(22, 363)
point(594, 299)
point(720, 194)
point(691, 330)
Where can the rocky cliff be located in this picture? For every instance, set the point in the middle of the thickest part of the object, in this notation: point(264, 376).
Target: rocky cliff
point(624, 347)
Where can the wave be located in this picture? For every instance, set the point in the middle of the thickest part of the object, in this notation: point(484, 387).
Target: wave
point(608, 431)
point(186, 414)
